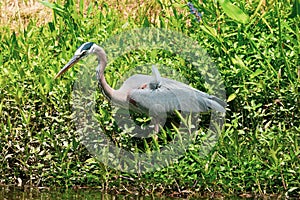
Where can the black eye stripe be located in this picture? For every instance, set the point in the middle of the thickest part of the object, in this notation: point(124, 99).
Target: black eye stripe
point(83, 53)
point(87, 46)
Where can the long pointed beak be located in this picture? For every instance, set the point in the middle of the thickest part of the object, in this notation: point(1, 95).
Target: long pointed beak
point(72, 62)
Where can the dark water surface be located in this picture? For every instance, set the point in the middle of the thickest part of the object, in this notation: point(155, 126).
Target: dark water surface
point(27, 193)
point(12, 193)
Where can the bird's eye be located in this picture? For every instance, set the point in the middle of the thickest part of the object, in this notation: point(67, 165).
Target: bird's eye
point(83, 53)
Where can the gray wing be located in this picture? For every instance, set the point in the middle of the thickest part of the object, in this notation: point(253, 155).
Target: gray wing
point(135, 82)
point(172, 95)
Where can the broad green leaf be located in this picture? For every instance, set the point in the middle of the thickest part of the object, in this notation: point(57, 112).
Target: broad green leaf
point(256, 73)
point(209, 30)
point(231, 97)
point(233, 11)
point(91, 160)
point(238, 61)
point(212, 32)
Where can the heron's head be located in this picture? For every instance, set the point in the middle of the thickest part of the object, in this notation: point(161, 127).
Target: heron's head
point(84, 50)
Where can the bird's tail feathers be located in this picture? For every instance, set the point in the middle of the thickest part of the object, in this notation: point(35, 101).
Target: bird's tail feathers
point(219, 101)
point(211, 101)
point(217, 105)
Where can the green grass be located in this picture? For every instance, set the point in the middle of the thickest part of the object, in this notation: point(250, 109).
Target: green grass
point(258, 150)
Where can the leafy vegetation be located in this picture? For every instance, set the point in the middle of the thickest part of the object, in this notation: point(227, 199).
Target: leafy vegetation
point(258, 58)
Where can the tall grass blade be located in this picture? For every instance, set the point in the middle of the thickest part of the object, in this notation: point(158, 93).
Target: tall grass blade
point(55, 7)
point(296, 9)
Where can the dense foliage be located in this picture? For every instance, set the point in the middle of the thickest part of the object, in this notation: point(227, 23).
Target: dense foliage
point(258, 150)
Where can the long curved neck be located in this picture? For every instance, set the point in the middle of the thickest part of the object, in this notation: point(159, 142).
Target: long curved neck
point(102, 62)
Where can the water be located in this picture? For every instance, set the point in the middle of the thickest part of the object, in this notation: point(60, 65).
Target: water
point(27, 193)
point(13, 193)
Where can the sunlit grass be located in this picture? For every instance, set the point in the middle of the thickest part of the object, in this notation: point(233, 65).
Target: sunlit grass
point(258, 150)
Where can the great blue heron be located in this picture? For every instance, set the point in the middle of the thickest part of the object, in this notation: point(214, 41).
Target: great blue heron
point(152, 95)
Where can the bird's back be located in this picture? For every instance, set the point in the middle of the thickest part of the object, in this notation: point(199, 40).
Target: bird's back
point(168, 95)
point(173, 95)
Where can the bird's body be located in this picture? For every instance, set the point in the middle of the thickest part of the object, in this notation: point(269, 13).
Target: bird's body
point(152, 95)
